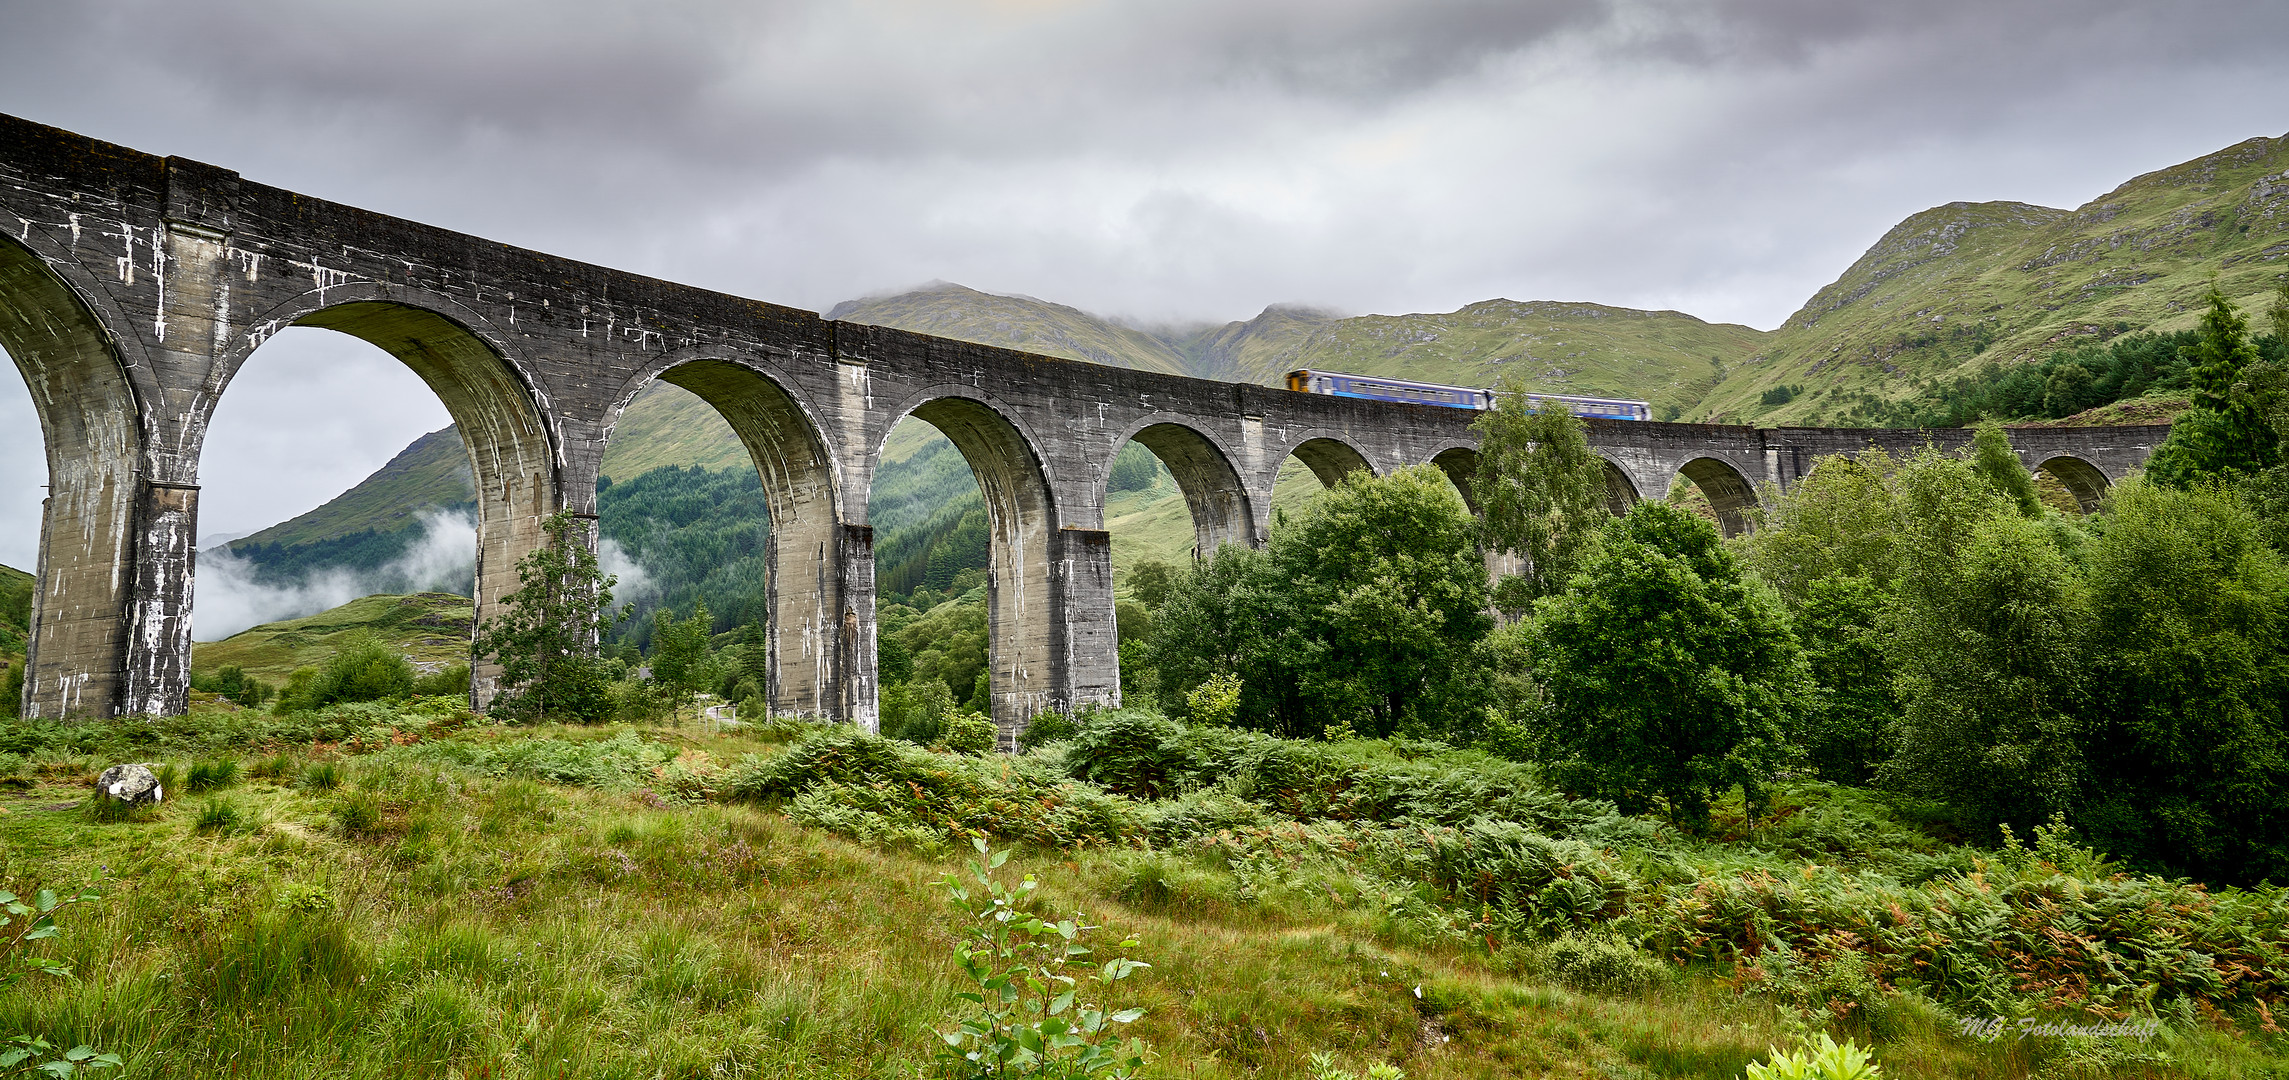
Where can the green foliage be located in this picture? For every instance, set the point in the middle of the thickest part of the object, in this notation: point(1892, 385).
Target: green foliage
point(450, 681)
point(701, 535)
point(969, 733)
point(682, 663)
point(1134, 469)
point(1541, 491)
point(948, 644)
point(1836, 522)
point(1987, 640)
point(361, 669)
point(1323, 1067)
point(2228, 433)
point(28, 1051)
point(212, 775)
point(1045, 728)
point(546, 634)
point(1150, 582)
point(24, 924)
point(1040, 1003)
point(1670, 673)
point(1601, 964)
point(2190, 621)
point(1215, 701)
point(1995, 461)
point(235, 684)
point(916, 711)
point(1365, 608)
point(1821, 1060)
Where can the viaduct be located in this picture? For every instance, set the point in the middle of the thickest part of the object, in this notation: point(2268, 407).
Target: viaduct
point(134, 287)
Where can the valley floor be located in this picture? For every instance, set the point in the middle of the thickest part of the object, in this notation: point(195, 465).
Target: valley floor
point(413, 895)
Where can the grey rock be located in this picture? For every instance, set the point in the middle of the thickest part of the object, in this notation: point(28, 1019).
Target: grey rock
point(130, 784)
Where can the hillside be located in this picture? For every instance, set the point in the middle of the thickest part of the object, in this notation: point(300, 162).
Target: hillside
point(1015, 322)
point(15, 609)
point(1967, 283)
point(431, 629)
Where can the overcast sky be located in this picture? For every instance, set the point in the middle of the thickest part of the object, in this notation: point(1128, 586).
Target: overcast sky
point(1167, 160)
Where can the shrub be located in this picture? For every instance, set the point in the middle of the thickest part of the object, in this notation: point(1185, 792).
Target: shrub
point(1046, 728)
point(1600, 964)
point(362, 669)
point(969, 733)
point(1215, 701)
point(451, 681)
point(1132, 752)
point(837, 753)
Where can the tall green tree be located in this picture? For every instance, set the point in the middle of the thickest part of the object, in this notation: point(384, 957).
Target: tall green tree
point(545, 636)
point(2190, 758)
point(1670, 673)
point(2229, 432)
point(1986, 636)
point(681, 659)
point(1365, 609)
point(1541, 491)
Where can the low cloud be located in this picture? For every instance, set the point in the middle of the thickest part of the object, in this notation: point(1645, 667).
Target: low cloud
point(634, 583)
point(227, 598)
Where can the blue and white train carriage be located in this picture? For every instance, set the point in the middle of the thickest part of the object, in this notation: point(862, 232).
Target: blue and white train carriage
point(1453, 397)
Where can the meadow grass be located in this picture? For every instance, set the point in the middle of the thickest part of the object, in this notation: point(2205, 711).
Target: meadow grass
point(438, 911)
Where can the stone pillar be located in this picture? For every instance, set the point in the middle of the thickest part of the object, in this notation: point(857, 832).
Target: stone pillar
point(859, 685)
point(806, 621)
point(157, 681)
point(1088, 639)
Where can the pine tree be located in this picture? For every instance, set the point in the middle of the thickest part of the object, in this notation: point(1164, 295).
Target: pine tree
point(2227, 432)
point(546, 633)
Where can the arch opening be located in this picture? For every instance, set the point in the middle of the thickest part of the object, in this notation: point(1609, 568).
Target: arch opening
point(510, 456)
point(1620, 493)
point(2082, 480)
point(1329, 459)
point(717, 488)
point(1171, 498)
point(1460, 463)
point(1730, 496)
point(1003, 623)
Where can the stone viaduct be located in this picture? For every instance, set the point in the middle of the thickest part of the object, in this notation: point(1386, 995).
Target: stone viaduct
point(134, 287)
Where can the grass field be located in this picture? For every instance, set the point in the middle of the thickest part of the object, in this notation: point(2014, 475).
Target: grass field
point(416, 897)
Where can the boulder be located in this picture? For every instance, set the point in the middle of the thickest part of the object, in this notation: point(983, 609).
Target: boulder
point(133, 785)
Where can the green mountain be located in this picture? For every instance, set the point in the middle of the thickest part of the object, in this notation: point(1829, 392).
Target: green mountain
point(1959, 286)
point(944, 309)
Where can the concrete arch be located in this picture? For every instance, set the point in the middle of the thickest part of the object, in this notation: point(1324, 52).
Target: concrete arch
point(812, 628)
point(1221, 512)
point(513, 451)
point(1027, 639)
point(1620, 492)
point(2081, 478)
point(1729, 493)
point(84, 612)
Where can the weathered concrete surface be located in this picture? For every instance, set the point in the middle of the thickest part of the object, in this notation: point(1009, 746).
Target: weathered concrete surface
point(132, 289)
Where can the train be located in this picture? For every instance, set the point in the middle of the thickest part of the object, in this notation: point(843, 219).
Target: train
point(1453, 397)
